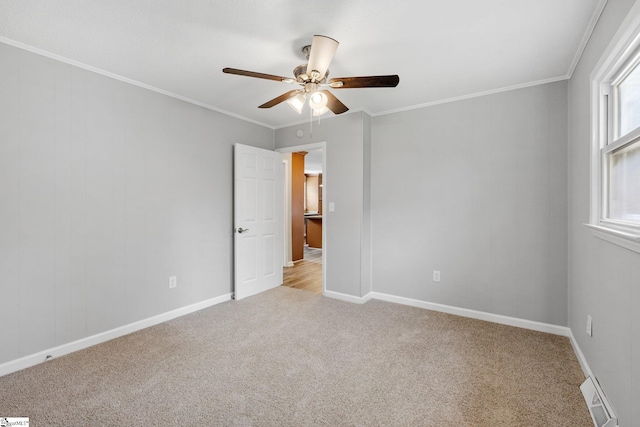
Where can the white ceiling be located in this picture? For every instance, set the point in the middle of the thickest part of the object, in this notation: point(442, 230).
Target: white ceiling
point(440, 49)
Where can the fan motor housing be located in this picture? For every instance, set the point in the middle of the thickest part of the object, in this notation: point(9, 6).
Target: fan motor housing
point(300, 72)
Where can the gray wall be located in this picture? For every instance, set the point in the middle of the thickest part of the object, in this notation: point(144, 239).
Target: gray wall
point(477, 190)
point(604, 279)
point(367, 247)
point(344, 184)
point(106, 190)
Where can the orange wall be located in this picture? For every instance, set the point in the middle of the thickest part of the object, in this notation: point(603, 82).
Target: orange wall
point(297, 206)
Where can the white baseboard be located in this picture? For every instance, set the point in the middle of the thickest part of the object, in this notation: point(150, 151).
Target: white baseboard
point(580, 356)
point(42, 356)
point(36, 358)
point(346, 297)
point(474, 314)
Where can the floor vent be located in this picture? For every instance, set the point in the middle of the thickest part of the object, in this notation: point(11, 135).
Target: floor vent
point(601, 412)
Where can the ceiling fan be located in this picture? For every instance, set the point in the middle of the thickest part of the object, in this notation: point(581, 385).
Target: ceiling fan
point(312, 77)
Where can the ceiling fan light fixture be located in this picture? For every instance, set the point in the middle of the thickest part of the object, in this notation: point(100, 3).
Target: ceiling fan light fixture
point(318, 101)
point(297, 102)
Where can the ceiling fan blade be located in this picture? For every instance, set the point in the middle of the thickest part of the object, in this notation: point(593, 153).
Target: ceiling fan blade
point(334, 104)
point(281, 98)
point(370, 81)
point(254, 74)
point(322, 50)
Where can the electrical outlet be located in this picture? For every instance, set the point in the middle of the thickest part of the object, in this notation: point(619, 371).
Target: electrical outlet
point(436, 276)
point(173, 281)
point(589, 322)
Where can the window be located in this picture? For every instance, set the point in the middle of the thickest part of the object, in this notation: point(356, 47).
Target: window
point(624, 180)
point(615, 177)
point(621, 153)
point(628, 91)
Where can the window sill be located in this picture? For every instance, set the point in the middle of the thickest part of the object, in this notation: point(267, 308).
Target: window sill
point(620, 238)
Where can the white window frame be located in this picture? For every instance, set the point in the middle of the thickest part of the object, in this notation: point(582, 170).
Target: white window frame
point(614, 65)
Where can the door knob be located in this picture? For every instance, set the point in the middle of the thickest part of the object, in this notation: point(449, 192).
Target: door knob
point(242, 230)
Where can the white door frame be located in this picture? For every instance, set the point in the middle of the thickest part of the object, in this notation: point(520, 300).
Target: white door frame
point(325, 247)
point(286, 216)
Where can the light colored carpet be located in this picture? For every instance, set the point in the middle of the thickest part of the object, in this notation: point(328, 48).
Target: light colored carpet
point(289, 357)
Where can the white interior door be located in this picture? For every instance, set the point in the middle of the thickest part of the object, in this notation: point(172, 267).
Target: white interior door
point(258, 212)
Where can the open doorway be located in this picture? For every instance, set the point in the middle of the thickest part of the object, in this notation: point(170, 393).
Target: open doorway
point(305, 224)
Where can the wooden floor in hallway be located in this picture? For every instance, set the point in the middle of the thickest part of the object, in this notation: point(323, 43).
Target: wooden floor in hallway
point(306, 274)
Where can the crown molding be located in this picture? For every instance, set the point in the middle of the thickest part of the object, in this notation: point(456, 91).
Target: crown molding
point(96, 70)
point(472, 95)
point(587, 35)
